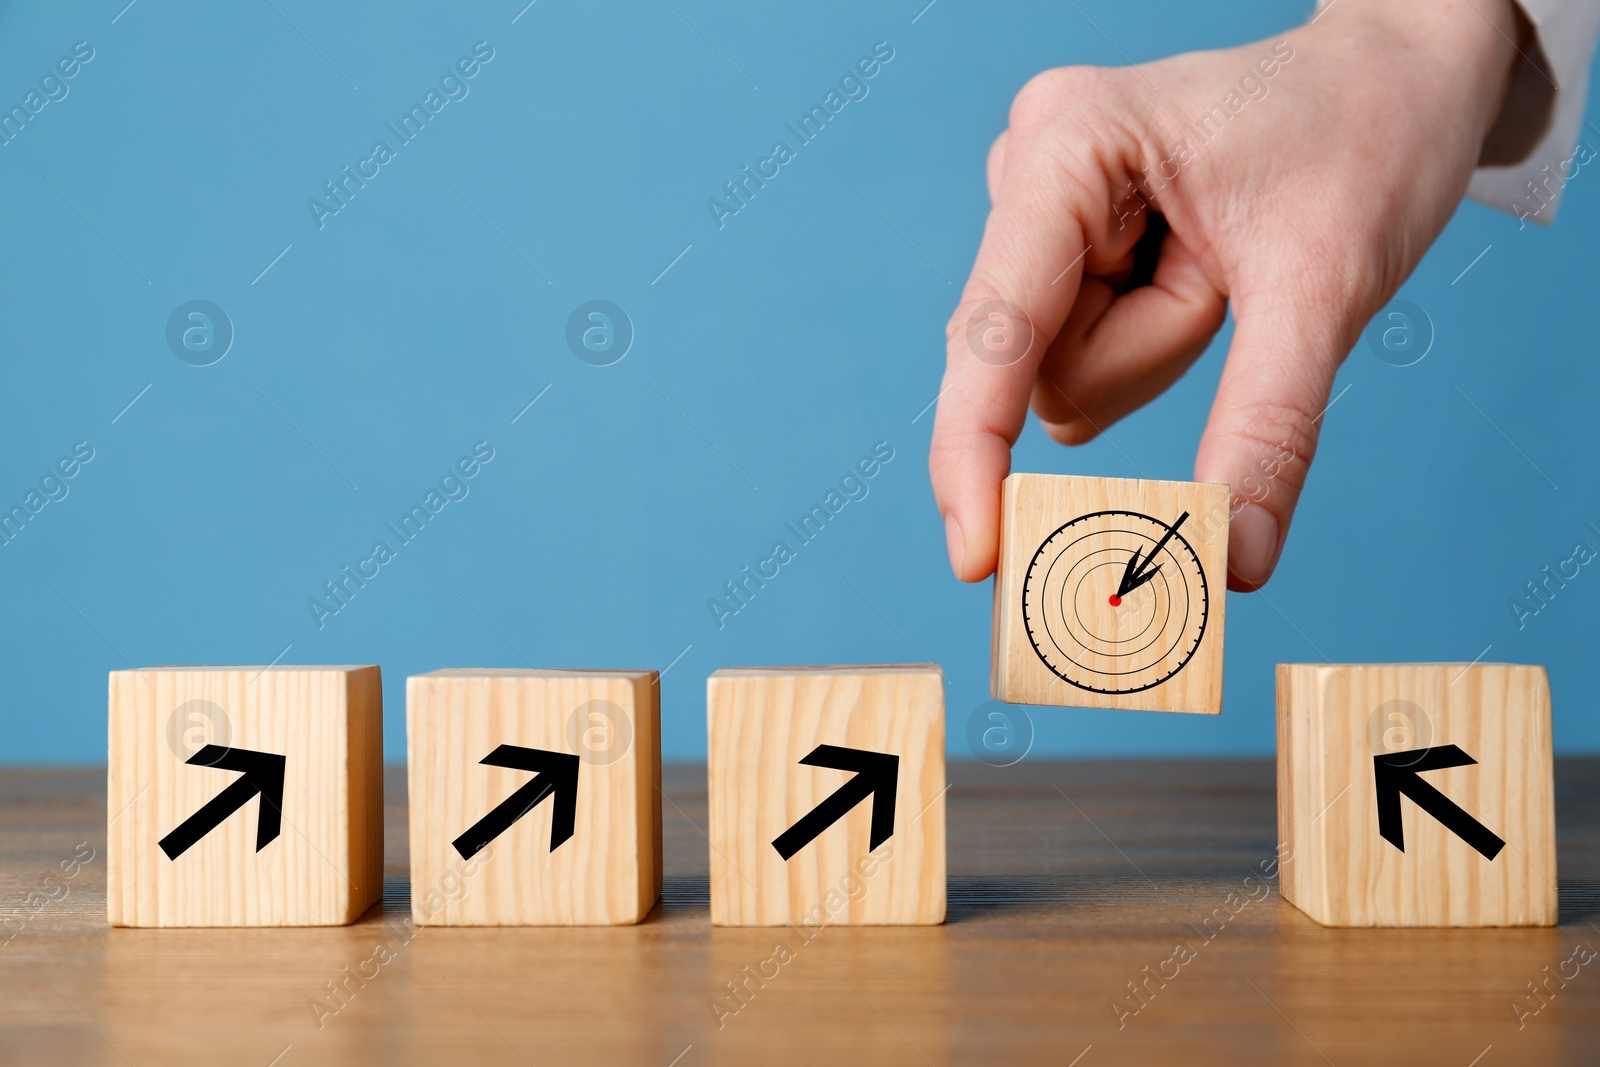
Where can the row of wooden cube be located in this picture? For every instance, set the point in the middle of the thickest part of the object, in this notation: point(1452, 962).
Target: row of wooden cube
point(826, 795)
point(535, 796)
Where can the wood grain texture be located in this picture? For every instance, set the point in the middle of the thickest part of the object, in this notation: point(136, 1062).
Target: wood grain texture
point(325, 866)
point(1334, 718)
point(609, 871)
point(761, 722)
point(1139, 653)
point(1055, 907)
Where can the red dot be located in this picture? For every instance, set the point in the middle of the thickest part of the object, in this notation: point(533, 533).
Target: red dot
point(1116, 601)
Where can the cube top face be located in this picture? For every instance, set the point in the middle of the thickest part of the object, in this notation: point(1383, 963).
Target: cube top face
point(1417, 794)
point(479, 857)
point(244, 796)
point(868, 669)
point(579, 673)
point(827, 795)
point(189, 668)
point(1109, 593)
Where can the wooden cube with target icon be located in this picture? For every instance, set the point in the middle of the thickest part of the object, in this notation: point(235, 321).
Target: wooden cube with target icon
point(1109, 593)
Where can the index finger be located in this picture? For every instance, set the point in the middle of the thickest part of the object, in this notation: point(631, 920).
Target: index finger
point(1022, 286)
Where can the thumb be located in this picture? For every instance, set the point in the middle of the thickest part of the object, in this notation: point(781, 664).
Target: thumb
point(1264, 423)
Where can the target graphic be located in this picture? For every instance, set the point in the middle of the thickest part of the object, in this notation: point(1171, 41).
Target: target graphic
point(1115, 601)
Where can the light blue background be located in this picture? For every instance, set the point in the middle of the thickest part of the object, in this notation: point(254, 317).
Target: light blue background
point(806, 330)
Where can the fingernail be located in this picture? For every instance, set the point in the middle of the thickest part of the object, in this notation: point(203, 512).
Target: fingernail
point(1252, 544)
point(956, 541)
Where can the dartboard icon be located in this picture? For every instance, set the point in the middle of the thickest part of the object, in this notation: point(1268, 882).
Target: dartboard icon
point(1115, 601)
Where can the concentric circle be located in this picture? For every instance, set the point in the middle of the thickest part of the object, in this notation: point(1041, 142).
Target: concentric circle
point(1090, 637)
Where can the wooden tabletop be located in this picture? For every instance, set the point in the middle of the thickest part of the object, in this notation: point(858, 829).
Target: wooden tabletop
point(1067, 881)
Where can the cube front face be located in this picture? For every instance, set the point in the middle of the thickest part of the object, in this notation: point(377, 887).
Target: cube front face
point(1109, 593)
point(1354, 739)
point(605, 725)
point(181, 852)
point(762, 722)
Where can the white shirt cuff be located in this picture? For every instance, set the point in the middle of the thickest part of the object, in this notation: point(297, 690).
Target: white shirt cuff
point(1531, 188)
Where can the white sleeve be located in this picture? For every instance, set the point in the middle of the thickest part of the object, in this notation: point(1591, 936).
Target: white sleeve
point(1535, 148)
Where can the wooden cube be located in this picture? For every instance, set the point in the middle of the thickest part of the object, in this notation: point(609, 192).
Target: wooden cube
point(535, 797)
point(1109, 593)
point(1416, 794)
point(827, 795)
point(244, 796)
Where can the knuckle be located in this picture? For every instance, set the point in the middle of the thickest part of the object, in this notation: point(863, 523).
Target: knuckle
point(944, 464)
point(997, 149)
point(950, 457)
point(962, 315)
point(1282, 439)
point(994, 165)
point(974, 296)
point(983, 303)
point(1071, 432)
point(1049, 95)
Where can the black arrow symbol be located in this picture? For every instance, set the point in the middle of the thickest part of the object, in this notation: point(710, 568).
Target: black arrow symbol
point(1136, 573)
point(262, 772)
point(557, 773)
point(876, 773)
point(1396, 773)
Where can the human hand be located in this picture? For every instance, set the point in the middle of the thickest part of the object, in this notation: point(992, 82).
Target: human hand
point(1302, 178)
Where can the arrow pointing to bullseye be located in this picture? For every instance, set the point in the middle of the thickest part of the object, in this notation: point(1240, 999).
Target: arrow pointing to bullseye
point(876, 773)
point(557, 773)
point(1396, 773)
point(1138, 571)
point(262, 772)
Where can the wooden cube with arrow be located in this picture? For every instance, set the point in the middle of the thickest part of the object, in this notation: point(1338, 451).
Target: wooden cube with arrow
point(535, 797)
point(244, 796)
point(1416, 794)
point(826, 795)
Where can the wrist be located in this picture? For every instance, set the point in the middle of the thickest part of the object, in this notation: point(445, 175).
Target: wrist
point(1466, 48)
